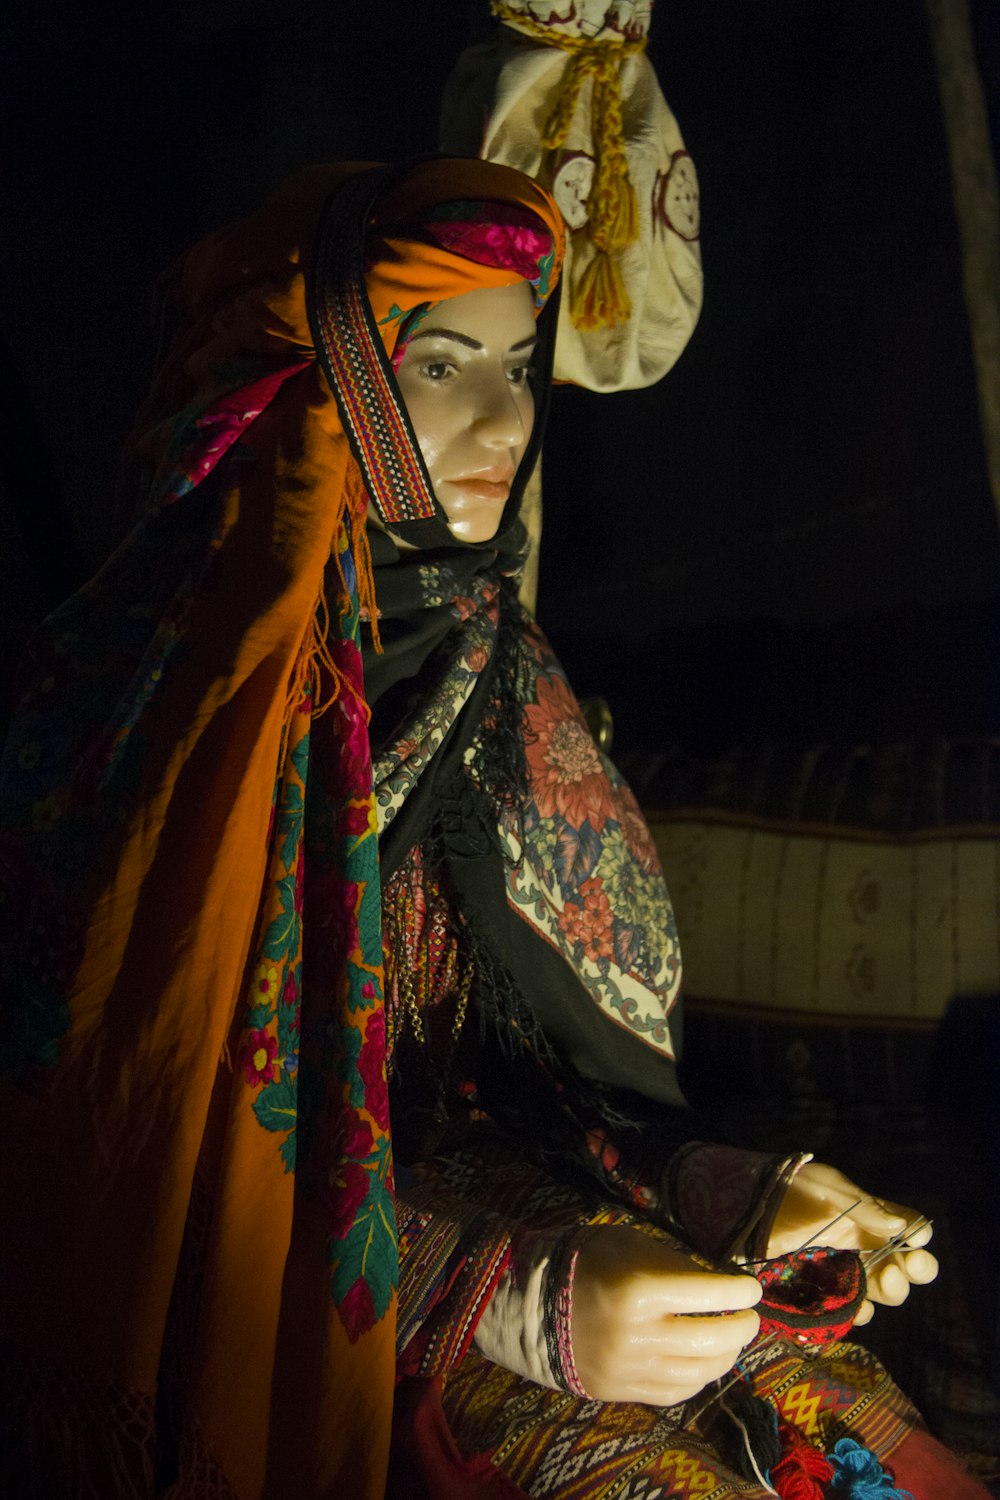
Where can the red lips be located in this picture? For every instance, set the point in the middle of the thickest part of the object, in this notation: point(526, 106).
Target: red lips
point(486, 484)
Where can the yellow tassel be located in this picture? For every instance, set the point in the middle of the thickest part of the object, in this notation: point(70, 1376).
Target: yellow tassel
point(599, 298)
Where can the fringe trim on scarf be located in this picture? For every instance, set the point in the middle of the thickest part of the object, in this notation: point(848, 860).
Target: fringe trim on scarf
point(315, 656)
point(67, 1437)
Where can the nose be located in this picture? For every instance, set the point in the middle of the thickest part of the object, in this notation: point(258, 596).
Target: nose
point(502, 418)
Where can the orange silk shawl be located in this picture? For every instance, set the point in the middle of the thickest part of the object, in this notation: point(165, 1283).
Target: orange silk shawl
point(145, 1128)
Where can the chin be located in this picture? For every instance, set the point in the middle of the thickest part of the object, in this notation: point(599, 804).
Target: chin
point(474, 531)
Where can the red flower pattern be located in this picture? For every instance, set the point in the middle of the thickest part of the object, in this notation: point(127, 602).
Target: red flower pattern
point(357, 1312)
point(517, 246)
point(356, 1140)
point(636, 833)
point(371, 1066)
point(258, 1057)
point(463, 607)
point(353, 820)
point(348, 1190)
point(348, 1182)
point(567, 777)
point(353, 743)
point(591, 923)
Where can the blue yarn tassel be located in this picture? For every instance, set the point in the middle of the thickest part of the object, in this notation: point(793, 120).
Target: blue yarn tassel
point(858, 1475)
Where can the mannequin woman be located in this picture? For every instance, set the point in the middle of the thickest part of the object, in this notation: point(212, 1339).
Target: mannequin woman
point(270, 757)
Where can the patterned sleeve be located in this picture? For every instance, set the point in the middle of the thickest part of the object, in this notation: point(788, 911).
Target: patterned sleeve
point(452, 1255)
point(718, 1199)
point(492, 1274)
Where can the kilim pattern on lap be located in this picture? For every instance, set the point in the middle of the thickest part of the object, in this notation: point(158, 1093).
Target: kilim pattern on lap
point(558, 1447)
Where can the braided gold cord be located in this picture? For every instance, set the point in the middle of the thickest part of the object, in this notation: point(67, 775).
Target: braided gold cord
point(614, 216)
point(549, 38)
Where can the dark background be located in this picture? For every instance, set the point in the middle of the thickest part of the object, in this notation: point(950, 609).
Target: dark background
point(791, 537)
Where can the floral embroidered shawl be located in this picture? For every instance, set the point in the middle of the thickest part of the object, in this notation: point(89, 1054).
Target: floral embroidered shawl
point(199, 1295)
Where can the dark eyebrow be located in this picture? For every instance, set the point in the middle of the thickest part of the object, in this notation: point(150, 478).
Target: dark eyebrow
point(463, 338)
point(446, 333)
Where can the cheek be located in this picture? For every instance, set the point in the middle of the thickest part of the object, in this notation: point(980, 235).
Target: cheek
point(526, 406)
point(436, 425)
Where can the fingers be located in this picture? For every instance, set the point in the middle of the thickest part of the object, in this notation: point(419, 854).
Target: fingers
point(864, 1314)
point(823, 1207)
point(921, 1267)
point(878, 1219)
point(699, 1292)
point(705, 1337)
point(914, 1227)
point(633, 1338)
point(921, 1236)
point(889, 1282)
point(674, 1380)
point(856, 1218)
point(888, 1285)
point(825, 1181)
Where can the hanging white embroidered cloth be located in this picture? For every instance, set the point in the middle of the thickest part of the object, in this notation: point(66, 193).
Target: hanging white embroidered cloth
point(566, 93)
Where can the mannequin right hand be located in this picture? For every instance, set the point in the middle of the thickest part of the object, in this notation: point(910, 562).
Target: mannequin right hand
point(634, 1336)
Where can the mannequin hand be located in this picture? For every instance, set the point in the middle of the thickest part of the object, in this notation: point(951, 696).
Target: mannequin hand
point(634, 1338)
point(819, 1193)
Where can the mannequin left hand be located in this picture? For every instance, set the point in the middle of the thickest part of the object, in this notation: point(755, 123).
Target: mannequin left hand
point(817, 1195)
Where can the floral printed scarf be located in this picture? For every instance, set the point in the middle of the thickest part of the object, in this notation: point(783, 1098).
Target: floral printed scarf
point(564, 916)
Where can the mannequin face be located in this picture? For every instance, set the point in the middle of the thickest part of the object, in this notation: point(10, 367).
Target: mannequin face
point(464, 380)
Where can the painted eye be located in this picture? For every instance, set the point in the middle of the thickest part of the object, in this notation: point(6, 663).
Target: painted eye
point(520, 374)
point(437, 370)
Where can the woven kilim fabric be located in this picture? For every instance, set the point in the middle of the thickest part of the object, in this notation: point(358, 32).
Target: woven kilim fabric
point(558, 1446)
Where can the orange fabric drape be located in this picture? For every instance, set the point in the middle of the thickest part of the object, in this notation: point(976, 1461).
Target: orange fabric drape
point(146, 874)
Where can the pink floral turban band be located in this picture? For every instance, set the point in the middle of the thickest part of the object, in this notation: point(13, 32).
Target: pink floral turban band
point(501, 235)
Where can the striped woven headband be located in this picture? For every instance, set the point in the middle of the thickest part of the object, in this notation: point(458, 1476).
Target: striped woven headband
point(352, 355)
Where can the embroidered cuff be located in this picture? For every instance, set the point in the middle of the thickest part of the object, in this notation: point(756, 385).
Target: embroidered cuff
point(558, 1310)
point(725, 1200)
point(511, 1331)
point(527, 1326)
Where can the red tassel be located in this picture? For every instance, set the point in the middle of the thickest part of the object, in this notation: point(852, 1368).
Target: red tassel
point(803, 1469)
